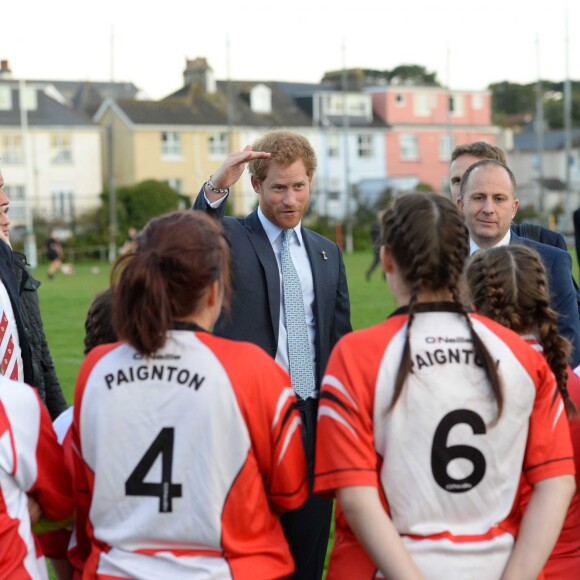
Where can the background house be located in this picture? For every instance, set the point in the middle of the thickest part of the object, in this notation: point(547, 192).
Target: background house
point(425, 124)
point(545, 187)
point(183, 138)
point(50, 156)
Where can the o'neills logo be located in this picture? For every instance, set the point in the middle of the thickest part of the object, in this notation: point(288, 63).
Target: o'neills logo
point(447, 339)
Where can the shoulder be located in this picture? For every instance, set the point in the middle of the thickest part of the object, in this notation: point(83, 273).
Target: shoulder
point(319, 241)
point(547, 252)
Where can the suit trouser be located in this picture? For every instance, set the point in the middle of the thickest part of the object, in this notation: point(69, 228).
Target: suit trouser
point(307, 529)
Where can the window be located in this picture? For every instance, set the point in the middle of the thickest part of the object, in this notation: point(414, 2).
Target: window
point(446, 144)
point(334, 195)
point(261, 99)
point(357, 105)
point(11, 149)
point(60, 149)
point(16, 195)
point(409, 147)
point(477, 101)
point(175, 183)
point(365, 146)
point(62, 203)
point(400, 100)
point(218, 144)
point(333, 145)
point(170, 144)
point(5, 98)
point(423, 103)
point(456, 105)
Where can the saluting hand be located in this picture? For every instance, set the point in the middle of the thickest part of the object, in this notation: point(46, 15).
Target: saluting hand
point(231, 170)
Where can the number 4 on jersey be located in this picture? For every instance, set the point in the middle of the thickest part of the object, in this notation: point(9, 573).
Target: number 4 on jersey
point(165, 490)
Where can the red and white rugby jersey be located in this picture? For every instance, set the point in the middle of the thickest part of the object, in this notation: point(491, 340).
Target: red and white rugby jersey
point(57, 544)
point(564, 562)
point(31, 463)
point(184, 457)
point(448, 475)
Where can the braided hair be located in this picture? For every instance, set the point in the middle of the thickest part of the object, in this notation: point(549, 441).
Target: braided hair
point(428, 239)
point(509, 284)
point(99, 321)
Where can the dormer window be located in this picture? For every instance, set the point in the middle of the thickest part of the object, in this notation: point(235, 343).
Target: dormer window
point(261, 99)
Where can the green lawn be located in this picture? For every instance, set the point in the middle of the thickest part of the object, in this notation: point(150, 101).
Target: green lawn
point(64, 303)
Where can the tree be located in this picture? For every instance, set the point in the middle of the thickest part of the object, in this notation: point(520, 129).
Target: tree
point(136, 205)
point(413, 74)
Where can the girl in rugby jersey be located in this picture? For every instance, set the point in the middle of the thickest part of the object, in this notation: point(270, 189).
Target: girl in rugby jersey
point(510, 285)
point(428, 420)
point(187, 446)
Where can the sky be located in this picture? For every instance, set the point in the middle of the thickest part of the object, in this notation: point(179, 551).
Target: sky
point(468, 44)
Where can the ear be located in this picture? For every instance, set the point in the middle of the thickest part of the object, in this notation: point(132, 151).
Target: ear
point(256, 184)
point(515, 207)
point(214, 293)
point(387, 260)
point(459, 203)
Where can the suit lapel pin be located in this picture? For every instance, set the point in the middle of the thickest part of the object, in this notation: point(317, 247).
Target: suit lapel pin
point(324, 256)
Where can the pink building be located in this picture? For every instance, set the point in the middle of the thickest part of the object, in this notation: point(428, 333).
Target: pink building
point(425, 125)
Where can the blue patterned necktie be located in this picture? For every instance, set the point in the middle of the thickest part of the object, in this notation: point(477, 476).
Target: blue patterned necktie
point(299, 357)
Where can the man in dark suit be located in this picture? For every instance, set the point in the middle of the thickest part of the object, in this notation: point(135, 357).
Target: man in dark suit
point(488, 200)
point(282, 165)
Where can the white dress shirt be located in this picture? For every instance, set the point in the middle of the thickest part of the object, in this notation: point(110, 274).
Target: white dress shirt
point(473, 247)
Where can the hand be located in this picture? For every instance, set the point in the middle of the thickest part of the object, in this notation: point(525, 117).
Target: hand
point(232, 168)
point(34, 510)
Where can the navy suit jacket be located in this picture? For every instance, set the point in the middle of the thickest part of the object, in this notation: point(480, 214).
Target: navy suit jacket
point(546, 236)
point(9, 280)
point(255, 309)
point(558, 264)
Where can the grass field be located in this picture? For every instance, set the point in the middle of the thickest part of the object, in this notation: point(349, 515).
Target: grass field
point(64, 303)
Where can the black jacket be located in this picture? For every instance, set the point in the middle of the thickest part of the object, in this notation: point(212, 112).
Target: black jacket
point(41, 374)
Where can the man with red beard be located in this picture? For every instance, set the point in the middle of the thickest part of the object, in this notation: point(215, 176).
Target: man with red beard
point(273, 257)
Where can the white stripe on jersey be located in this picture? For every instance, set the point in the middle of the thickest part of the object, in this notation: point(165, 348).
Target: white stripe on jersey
point(443, 559)
point(122, 564)
point(334, 382)
point(296, 423)
point(558, 414)
point(284, 396)
point(326, 411)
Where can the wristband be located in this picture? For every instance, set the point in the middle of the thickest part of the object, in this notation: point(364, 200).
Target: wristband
point(215, 189)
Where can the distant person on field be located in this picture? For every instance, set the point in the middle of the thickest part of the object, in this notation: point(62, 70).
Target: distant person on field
point(469, 153)
point(31, 360)
point(54, 254)
point(130, 242)
point(376, 244)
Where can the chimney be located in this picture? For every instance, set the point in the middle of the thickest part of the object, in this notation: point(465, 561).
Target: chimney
point(5, 72)
point(198, 71)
